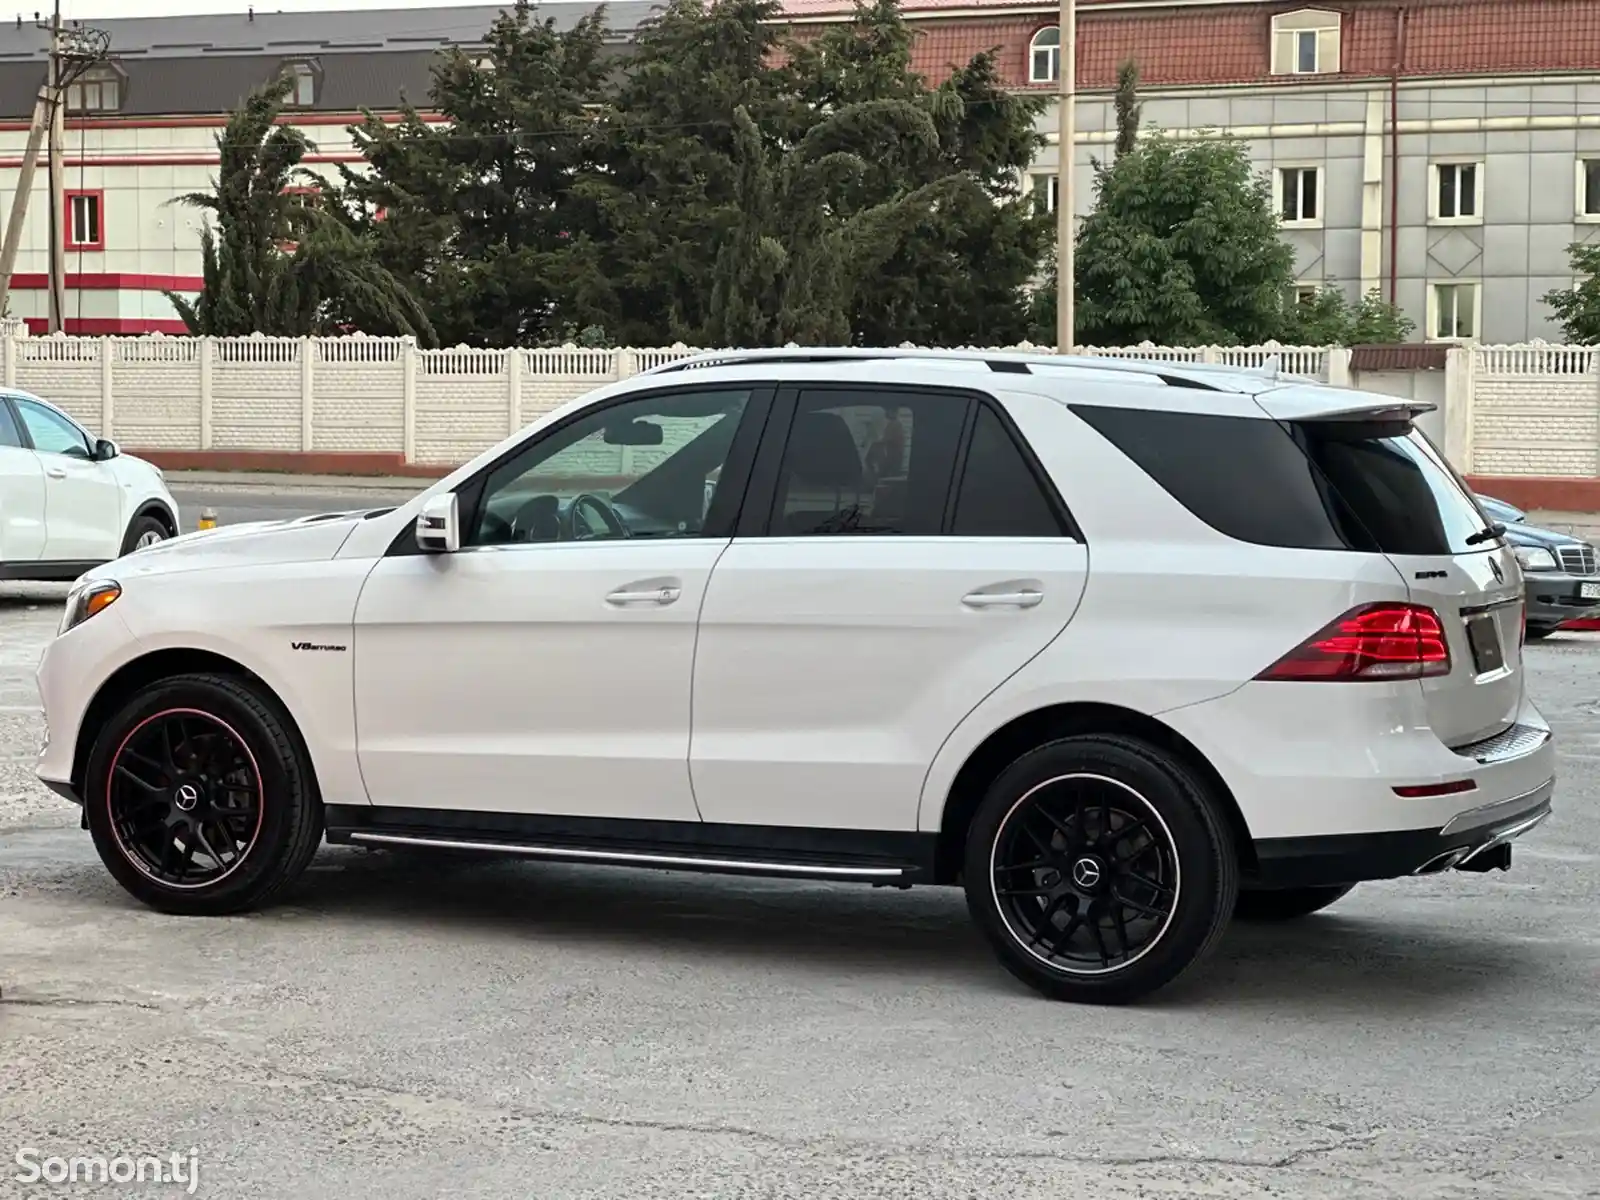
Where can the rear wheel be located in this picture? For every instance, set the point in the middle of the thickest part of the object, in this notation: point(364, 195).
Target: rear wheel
point(1288, 904)
point(200, 798)
point(1100, 869)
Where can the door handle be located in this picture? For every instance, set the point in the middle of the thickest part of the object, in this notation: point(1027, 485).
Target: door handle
point(660, 595)
point(56, 472)
point(1027, 598)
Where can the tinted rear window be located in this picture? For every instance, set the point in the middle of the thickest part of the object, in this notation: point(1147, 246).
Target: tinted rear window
point(1315, 485)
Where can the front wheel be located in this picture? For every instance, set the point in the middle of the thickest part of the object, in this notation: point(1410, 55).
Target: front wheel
point(144, 531)
point(1100, 869)
point(1288, 904)
point(200, 798)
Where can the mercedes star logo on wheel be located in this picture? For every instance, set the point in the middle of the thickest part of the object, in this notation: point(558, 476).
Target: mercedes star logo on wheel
point(187, 797)
point(1086, 872)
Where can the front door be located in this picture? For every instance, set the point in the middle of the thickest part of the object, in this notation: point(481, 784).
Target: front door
point(83, 500)
point(21, 495)
point(546, 666)
point(910, 560)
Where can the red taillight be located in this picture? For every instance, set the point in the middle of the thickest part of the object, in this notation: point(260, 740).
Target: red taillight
point(1375, 641)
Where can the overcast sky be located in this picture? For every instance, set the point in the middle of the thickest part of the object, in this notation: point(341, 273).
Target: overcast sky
point(90, 9)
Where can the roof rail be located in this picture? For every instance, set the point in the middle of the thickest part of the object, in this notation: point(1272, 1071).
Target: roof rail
point(1007, 362)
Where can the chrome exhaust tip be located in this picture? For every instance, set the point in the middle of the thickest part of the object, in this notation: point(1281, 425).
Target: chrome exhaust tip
point(1442, 862)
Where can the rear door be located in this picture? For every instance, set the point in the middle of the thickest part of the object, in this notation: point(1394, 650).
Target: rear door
point(1393, 491)
point(21, 494)
point(900, 555)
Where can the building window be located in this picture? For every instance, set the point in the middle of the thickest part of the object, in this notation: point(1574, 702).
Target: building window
point(1304, 293)
point(1305, 43)
point(1044, 56)
point(304, 92)
point(1454, 311)
point(1589, 189)
point(1050, 185)
point(85, 221)
point(99, 90)
point(1300, 195)
point(1456, 192)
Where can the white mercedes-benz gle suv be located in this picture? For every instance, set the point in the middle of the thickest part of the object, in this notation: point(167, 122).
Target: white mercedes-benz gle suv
point(1122, 649)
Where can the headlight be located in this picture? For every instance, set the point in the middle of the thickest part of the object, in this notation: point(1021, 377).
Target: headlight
point(83, 602)
point(1534, 558)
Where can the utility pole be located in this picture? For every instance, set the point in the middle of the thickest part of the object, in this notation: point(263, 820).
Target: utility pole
point(58, 179)
point(72, 52)
point(1066, 193)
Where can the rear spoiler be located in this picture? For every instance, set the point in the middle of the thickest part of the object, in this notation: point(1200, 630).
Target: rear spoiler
point(1403, 410)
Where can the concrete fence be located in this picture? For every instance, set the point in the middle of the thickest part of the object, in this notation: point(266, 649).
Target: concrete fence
point(377, 405)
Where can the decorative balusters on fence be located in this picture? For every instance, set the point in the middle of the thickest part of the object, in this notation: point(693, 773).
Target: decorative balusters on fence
point(1529, 410)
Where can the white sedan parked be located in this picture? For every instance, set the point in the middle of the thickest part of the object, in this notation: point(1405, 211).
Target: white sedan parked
point(70, 501)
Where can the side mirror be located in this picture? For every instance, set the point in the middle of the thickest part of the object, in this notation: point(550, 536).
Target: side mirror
point(104, 449)
point(439, 524)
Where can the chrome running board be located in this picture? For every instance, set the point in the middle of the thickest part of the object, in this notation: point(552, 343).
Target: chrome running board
point(632, 858)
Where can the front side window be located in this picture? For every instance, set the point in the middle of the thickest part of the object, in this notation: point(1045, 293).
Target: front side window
point(645, 468)
point(863, 461)
point(51, 432)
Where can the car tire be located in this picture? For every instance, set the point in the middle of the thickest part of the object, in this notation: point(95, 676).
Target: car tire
point(144, 530)
point(1100, 868)
point(168, 791)
point(1288, 904)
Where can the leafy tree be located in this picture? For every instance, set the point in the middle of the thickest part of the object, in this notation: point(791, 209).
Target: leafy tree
point(758, 190)
point(1578, 307)
point(1330, 319)
point(1182, 249)
point(272, 264)
point(479, 214)
point(958, 272)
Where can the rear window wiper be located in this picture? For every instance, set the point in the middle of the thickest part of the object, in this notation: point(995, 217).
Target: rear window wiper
point(1487, 534)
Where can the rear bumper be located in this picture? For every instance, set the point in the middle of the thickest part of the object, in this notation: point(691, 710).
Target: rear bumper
point(1553, 597)
point(1474, 839)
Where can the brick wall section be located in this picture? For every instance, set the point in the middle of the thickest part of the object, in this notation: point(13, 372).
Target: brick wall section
point(1231, 44)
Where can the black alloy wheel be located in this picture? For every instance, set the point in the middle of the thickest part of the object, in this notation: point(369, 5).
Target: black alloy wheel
point(200, 795)
point(1101, 868)
point(185, 798)
point(1085, 872)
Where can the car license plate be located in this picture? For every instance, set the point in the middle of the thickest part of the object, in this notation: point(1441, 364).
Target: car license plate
point(1483, 635)
point(1589, 591)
